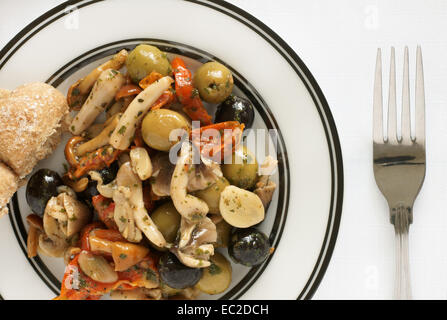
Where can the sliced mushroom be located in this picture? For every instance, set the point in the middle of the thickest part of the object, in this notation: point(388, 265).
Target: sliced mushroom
point(97, 267)
point(190, 207)
point(195, 247)
point(141, 162)
point(70, 253)
point(78, 92)
point(72, 191)
point(103, 92)
point(35, 221)
point(129, 207)
point(32, 243)
point(265, 188)
point(240, 208)
point(52, 247)
point(200, 176)
point(265, 191)
point(123, 215)
point(101, 139)
point(106, 190)
point(162, 171)
point(35, 229)
point(71, 214)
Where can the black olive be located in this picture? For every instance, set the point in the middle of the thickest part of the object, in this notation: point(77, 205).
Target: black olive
point(41, 187)
point(89, 192)
point(248, 247)
point(108, 174)
point(235, 108)
point(175, 274)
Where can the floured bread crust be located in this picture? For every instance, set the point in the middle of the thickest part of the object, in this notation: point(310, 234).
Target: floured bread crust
point(8, 186)
point(30, 125)
point(4, 93)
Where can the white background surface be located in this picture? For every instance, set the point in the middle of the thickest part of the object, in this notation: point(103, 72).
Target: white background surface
point(337, 40)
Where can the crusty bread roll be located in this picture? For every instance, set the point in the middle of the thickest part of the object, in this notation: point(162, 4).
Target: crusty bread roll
point(31, 118)
point(8, 186)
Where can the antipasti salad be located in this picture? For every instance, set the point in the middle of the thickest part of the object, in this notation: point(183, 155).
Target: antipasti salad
point(156, 193)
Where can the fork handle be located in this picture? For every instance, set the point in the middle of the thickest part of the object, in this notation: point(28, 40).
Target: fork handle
point(402, 286)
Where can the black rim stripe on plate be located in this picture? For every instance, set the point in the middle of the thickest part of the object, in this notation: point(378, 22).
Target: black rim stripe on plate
point(295, 62)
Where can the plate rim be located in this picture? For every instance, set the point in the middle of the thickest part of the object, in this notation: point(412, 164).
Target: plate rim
point(335, 152)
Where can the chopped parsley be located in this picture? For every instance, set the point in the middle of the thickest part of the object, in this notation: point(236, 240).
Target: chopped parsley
point(123, 256)
point(194, 93)
point(214, 269)
point(122, 130)
point(122, 219)
point(151, 276)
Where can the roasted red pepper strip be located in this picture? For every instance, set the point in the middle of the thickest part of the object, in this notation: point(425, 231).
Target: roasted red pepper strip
point(141, 272)
point(127, 91)
point(187, 94)
point(70, 152)
point(77, 286)
point(107, 234)
point(221, 143)
point(105, 208)
point(149, 79)
point(166, 98)
point(96, 160)
point(85, 233)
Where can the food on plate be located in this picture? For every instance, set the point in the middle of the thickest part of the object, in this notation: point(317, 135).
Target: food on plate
point(243, 169)
point(241, 208)
point(175, 274)
point(8, 186)
point(249, 247)
point(78, 92)
point(158, 125)
point(214, 82)
point(167, 220)
point(32, 118)
point(236, 108)
point(146, 206)
point(144, 59)
point(265, 187)
point(223, 230)
point(217, 277)
point(41, 187)
point(211, 195)
point(102, 94)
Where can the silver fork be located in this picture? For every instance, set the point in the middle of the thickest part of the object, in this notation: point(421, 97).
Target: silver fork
point(399, 161)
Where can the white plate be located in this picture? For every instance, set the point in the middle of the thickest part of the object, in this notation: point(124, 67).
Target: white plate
point(303, 218)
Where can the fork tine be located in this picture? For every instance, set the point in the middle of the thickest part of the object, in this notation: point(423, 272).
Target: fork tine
point(392, 115)
point(420, 99)
point(406, 126)
point(377, 101)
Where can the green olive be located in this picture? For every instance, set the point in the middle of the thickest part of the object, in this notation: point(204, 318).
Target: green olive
point(144, 59)
point(158, 124)
point(167, 220)
point(211, 195)
point(243, 169)
point(223, 230)
point(214, 82)
point(217, 277)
